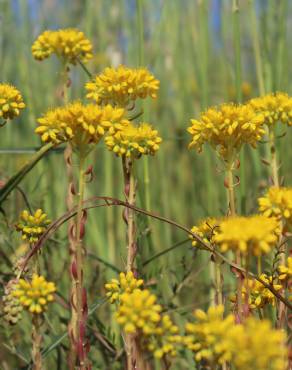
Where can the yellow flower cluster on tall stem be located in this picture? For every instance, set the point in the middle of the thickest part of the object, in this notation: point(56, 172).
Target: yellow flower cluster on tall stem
point(11, 103)
point(277, 202)
point(34, 296)
point(32, 225)
point(226, 129)
point(277, 110)
point(141, 318)
point(127, 283)
point(256, 295)
point(70, 45)
point(122, 86)
point(217, 341)
point(83, 126)
point(253, 235)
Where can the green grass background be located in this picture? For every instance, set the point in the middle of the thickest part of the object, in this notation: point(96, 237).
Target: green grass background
point(176, 41)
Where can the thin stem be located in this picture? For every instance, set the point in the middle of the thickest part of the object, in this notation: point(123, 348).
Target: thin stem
point(259, 265)
point(129, 216)
point(273, 154)
point(36, 346)
point(232, 209)
point(85, 69)
point(218, 282)
point(79, 257)
point(231, 195)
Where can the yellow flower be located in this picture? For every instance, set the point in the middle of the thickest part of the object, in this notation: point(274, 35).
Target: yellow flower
point(165, 339)
point(80, 124)
point(275, 108)
point(285, 271)
point(226, 128)
point(277, 202)
point(255, 234)
point(205, 229)
point(35, 295)
point(256, 345)
point(32, 226)
point(70, 45)
point(127, 283)
point(258, 295)
point(11, 102)
point(138, 311)
point(251, 345)
point(207, 337)
point(133, 141)
point(122, 85)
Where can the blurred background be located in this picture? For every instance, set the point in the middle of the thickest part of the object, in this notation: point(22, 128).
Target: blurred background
point(201, 58)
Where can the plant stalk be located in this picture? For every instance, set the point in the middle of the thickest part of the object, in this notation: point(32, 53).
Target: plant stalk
point(36, 346)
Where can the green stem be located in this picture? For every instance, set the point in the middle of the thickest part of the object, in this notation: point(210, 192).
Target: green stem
point(273, 157)
point(256, 48)
point(218, 282)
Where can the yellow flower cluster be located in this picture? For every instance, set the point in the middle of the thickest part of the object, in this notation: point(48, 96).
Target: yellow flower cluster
point(11, 102)
point(226, 128)
point(11, 306)
point(275, 108)
point(127, 283)
point(258, 295)
point(165, 340)
point(256, 345)
point(32, 226)
point(285, 272)
point(207, 337)
point(35, 295)
point(277, 202)
point(251, 345)
point(70, 45)
point(133, 141)
point(205, 229)
point(138, 311)
point(120, 86)
point(255, 234)
point(80, 124)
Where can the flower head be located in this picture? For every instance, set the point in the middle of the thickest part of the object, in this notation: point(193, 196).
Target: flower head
point(70, 45)
point(205, 229)
point(274, 107)
point(11, 102)
point(277, 202)
point(258, 295)
point(80, 124)
point(36, 294)
point(255, 234)
point(138, 311)
point(256, 345)
point(127, 283)
point(32, 226)
point(122, 85)
point(285, 272)
point(165, 339)
point(226, 128)
point(133, 141)
point(207, 337)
